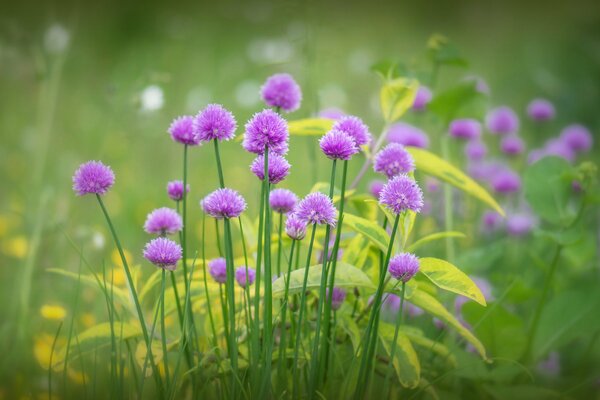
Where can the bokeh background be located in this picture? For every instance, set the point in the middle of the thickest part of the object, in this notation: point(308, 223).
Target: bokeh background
point(103, 80)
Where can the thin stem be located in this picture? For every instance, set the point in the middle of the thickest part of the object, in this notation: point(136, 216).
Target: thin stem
point(283, 329)
point(163, 330)
point(230, 295)
point(219, 166)
point(50, 361)
point(374, 150)
point(399, 321)
point(205, 279)
point(279, 243)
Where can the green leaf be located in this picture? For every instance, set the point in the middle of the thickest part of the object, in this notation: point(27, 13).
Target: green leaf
point(346, 275)
point(417, 338)
point(352, 252)
point(377, 235)
point(462, 100)
point(432, 237)
point(446, 276)
point(406, 362)
point(396, 97)
point(442, 51)
point(547, 188)
point(434, 307)
point(433, 165)
point(365, 205)
point(521, 392)
point(310, 126)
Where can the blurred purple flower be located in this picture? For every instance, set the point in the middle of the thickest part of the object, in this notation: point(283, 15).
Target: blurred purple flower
point(354, 127)
point(407, 135)
point(512, 145)
point(281, 90)
point(491, 221)
point(557, 147)
point(393, 160)
point(502, 120)
point(282, 200)
point(519, 224)
point(163, 221)
point(266, 129)
point(93, 177)
point(163, 253)
point(422, 98)
point(540, 110)
point(245, 276)
point(550, 366)
point(175, 190)
point(375, 188)
point(278, 168)
point(475, 150)
point(332, 113)
point(338, 297)
point(214, 122)
point(295, 227)
point(182, 131)
point(217, 268)
point(465, 128)
point(577, 138)
point(506, 181)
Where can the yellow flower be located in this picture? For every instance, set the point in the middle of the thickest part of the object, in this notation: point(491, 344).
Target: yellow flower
point(53, 312)
point(42, 349)
point(16, 247)
point(88, 319)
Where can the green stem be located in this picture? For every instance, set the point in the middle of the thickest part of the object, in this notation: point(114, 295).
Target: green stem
point(163, 330)
point(279, 243)
point(399, 321)
point(230, 295)
point(448, 212)
point(283, 330)
point(134, 295)
point(50, 361)
point(205, 279)
point(219, 166)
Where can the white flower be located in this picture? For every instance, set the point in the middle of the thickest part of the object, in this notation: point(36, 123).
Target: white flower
point(152, 98)
point(56, 39)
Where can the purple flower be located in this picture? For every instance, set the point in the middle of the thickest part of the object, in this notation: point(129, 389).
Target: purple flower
point(506, 181)
point(93, 177)
point(332, 113)
point(485, 170)
point(390, 307)
point(540, 110)
point(558, 148)
point(403, 266)
point(481, 85)
point(502, 120)
point(392, 160)
point(535, 155)
point(182, 131)
point(550, 366)
point(337, 299)
point(432, 185)
point(214, 122)
point(316, 208)
point(266, 129)
point(512, 145)
point(519, 224)
point(422, 98)
point(278, 168)
point(354, 127)
point(491, 221)
point(338, 145)
point(217, 268)
point(163, 221)
point(282, 200)
point(280, 90)
point(295, 227)
point(577, 138)
point(224, 203)
point(466, 128)
point(402, 193)
point(407, 135)
point(163, 253)
point(175, 190)
point(245, 276)
point(475, 150)
point(375, 188)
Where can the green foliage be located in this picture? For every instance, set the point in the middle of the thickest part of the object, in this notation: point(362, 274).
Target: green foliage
point(310, 126)
point(448, 277)
point(406, 362)
point(396, 97)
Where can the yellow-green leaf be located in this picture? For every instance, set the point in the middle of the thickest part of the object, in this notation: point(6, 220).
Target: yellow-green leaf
point(406, 362)
point(446, 276)
point(434, 236)
point(417, 338)
point(310, 126)
point(433, 165)
point(370, 229)
point(396, 97)
point(435, 308)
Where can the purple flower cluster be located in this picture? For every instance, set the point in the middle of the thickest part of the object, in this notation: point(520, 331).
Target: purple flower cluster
point(475, 150)
point(295, 227)
point(217, 268)
point(278, 168)
point(541, 110)
point(467, 129)
point(403, 266)
point(282, 91)
point(214, 122)
point(93, 177)
point(182, 131)
point(506, 181)
point(502, 120)
point(317, 208)
point(337, 298)
point(338, 145)
point(163, 253)
point(393, 160)
point(422, 98)
point(519, 224)
point(267, 130)
point(282, 201)
point(375, 188)
point(407, 135)
point(577, 138)
point(175, 190)
point(512, 145)
point(245, 276)
point(224, 203)
point(402, 193)
point(355, 128)
point(163, 221)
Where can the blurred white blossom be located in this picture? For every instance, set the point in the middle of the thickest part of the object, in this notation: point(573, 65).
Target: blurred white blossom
point(56, 39)
point(152, 98)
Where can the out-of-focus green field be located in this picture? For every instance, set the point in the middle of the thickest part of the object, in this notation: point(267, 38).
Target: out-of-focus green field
point(58, 110)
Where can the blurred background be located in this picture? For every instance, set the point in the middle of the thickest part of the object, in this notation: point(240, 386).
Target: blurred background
point(103, 80)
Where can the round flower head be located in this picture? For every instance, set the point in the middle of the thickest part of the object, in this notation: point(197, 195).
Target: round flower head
point(266, 129)
point(163, 221)
point(558, 148)
point(175, 190)
point(282, 200)
point(519, 224)
point(224, 203)
point(540, 110)
point(244, 279)
point(316, 208)
point(282, 91)
point(295, 227)
point(466, 128)
point(402, 193)
point(332, 113)
point(354, 127)
point(392, 160)
point(163, 253)
point(217, 268)
point(407, 135)
point(214, 122)
point(475, 150)
point(506, 181)
point(577, 138)
point(93, 177)
point(403, 266)
point(422, 98)
point(491, 221)
point(337, 299)
point(375, 188)
point(338, 145)
point(512, 145)
point(278, 168)
point(182, 131)
point(502, 120)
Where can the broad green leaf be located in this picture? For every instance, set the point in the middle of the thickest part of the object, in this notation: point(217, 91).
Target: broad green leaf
point(353, 250)
point(407, 223)
point(431, 305)
point(310, 126)
point(446, 276)
point(365, 205)
point(417, 338)
point(433, 165)
point(432, 237)
point(443, 52)
point(152, 281)
point(406, 362)
point(349, 325)
point(462, 100)
point(346, 275)
point(547, 188)
point(396, 97)
point(388, 69)
point(370, 229)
